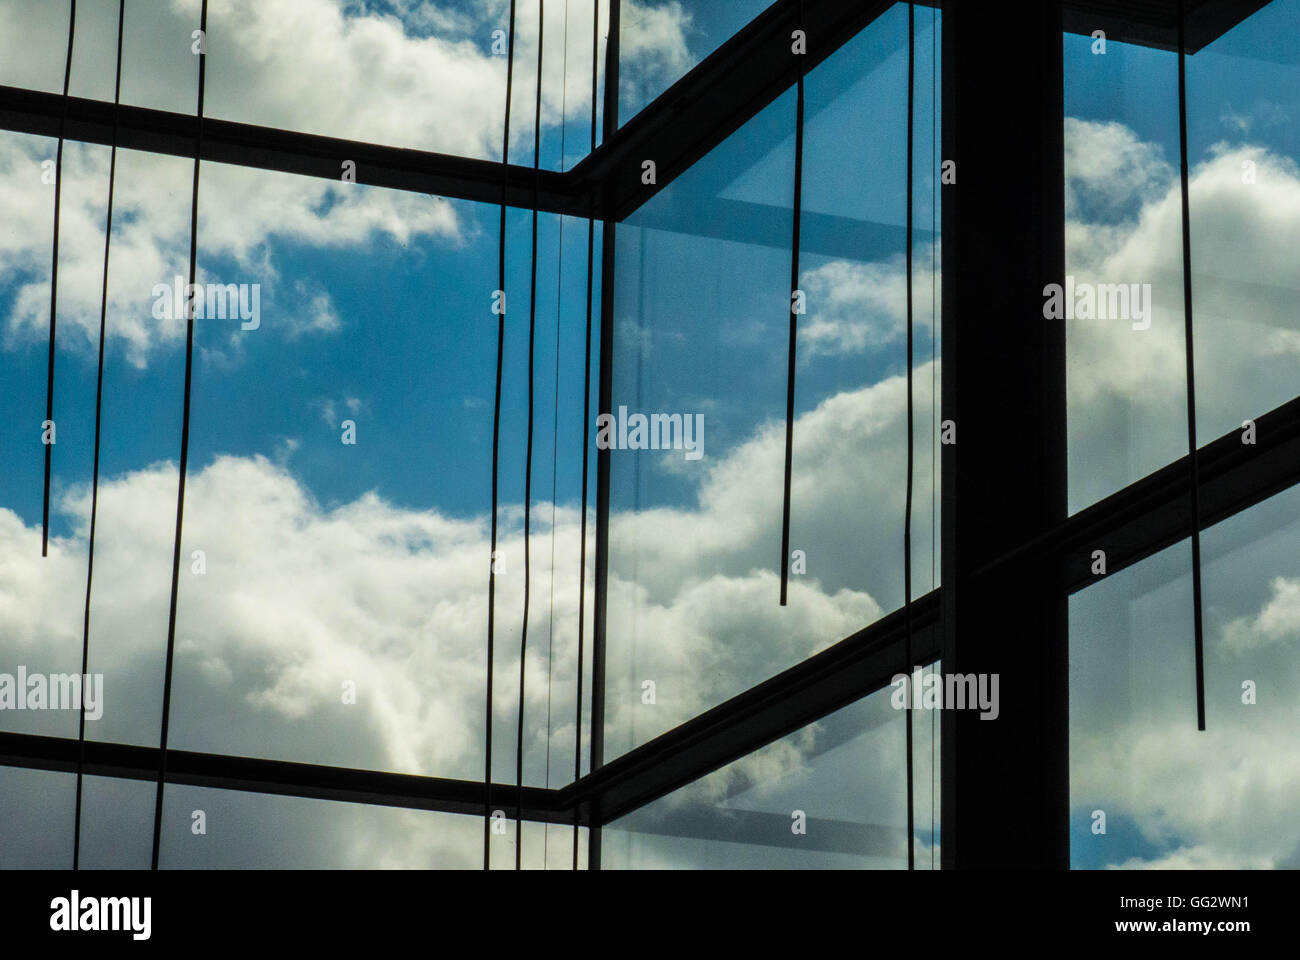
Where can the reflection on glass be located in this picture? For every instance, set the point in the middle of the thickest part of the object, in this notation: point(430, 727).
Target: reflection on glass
point(1123, 296)
point(251, 831)
point(1243, 95)
point(1172, 796)
point(832, 795)
point(36, 836)
point(661, 40)
point(701, 339)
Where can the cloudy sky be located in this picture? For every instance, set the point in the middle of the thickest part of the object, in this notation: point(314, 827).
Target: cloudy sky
point(326, 564)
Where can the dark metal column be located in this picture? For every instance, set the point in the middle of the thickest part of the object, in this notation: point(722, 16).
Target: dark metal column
point(1005, 781)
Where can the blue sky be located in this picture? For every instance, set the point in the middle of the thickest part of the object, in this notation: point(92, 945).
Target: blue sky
point(375, 308)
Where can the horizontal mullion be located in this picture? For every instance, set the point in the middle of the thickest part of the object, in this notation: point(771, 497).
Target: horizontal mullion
point(808, 691)
point(287, 151)
point(285, 778)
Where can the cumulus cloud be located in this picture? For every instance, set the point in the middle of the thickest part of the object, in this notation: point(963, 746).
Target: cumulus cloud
point(240, 214)
point(410, 73)
point(1277, 622)
point(1127, 387)
point(856, 307)
point(296, 598)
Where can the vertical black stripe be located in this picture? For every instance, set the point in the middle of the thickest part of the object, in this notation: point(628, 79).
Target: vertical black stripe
point(185, 448)
point(94, 482)
point(606, 388)
point(794, 320)
point(54, 285)
point(1192, 459)
point(911, 455)
point(934, 356)
point(528, 455)
point(586, 427)
point(496, 449)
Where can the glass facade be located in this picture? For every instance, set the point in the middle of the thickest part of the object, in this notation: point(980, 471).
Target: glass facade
point(546, 473)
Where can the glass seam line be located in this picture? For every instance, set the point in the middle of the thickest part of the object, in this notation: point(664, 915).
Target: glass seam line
point(907, 522)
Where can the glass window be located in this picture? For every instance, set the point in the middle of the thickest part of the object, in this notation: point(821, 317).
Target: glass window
point(832, 795)
point(1171, 796)
point(660, 41)
point(1243, 93)
point(1123, 296)
point(701, 327)
point(255, 831)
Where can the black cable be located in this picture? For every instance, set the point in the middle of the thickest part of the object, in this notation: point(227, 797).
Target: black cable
point(934, 355)
point(528, 456)
point(94, 482)
point(555, 432)
point(54, 284)
point(1193, 458)
point(496, 446)
point(185, 444)
point(794, 319)
point(907, 523)
point(586, 423)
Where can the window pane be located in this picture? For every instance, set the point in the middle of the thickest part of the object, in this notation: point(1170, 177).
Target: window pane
point(251, 831)
point(1173, 796)
point(701, 340)
point(1126, 376)
point(659, 42)
point(832, 795)
point(1243, 93)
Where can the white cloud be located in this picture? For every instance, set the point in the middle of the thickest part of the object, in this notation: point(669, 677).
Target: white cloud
point(240, 213)
point(1278, 621)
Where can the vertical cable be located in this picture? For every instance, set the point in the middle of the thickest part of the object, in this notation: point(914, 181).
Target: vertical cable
point(528, 456)
point(934, 355)
point(794, 319)
point(496, 448)
point(94, 482)
point(907, 522)
point(185, 444)
point(555, 428)
point(586, 423)
point(1193, 459)
point(54, 282)
point(605, 399)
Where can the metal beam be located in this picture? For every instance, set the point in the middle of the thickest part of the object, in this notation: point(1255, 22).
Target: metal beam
point(1006, 782)
point(268, 148)
point(787, 702)
point(277, 777)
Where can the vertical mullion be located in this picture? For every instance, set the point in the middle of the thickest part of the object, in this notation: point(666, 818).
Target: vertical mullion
point(1193, 462)
point(609, 128)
